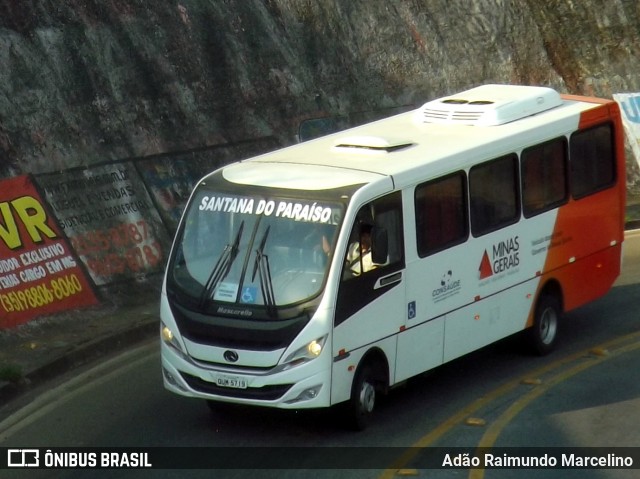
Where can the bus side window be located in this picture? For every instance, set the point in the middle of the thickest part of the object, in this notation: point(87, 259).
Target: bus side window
point(380, 218)
point(544, 177)
point(494, 194)
point(441, 213)
point(592, 159)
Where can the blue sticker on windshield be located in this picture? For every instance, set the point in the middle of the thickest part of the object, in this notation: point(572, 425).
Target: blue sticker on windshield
point(249, 294)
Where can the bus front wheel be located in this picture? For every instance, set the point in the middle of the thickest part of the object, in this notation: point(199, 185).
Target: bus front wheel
point(544, 332)
point(363, 397)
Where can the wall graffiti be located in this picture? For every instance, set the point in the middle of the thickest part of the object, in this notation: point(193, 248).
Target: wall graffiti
point(39, 274)
point(170, 182)
point(63, 233)
point(170, 179)
point(110, 220)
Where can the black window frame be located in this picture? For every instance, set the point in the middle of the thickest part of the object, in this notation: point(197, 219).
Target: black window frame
point(527, 210)
point(481, 229)
point(581, 191)
point(421, 216)
point(356, 292)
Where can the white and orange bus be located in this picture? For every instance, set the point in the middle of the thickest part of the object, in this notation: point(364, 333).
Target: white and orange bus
point(332, 270)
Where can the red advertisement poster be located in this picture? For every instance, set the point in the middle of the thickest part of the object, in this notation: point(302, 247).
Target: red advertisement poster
point(38, 272)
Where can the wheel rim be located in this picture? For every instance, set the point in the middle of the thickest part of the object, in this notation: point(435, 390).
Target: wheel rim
point(548, 326)
point(367, 397)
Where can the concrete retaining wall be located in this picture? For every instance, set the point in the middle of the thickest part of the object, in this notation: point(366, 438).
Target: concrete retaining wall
point(66, 235)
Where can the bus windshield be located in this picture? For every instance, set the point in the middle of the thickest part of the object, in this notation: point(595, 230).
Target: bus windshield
point(253, 251)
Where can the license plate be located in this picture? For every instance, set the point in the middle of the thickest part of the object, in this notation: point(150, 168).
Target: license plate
point(234, 382)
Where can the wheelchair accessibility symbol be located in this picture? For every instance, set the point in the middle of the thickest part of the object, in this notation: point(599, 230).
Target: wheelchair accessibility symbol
point(249, 295)
point(411, 310)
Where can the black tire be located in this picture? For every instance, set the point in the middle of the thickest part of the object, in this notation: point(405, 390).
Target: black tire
point(363, 397)
point(543, 334)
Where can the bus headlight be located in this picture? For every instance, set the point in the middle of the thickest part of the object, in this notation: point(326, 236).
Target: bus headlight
point(167, 334)
point(306, 353)
point(170, 339)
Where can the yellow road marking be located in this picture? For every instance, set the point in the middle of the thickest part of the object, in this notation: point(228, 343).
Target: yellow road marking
point(476, 405)
point(493, 432)
point(475, 421)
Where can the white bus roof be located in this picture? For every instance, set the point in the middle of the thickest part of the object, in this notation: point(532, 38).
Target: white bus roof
point(444, 135)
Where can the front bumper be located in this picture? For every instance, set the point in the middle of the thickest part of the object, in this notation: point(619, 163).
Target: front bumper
point(301, 387)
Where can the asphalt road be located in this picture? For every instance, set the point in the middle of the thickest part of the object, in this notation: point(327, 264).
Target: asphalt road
point(585, 394)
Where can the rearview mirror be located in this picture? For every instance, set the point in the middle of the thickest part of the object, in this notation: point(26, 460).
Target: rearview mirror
point(379, 245)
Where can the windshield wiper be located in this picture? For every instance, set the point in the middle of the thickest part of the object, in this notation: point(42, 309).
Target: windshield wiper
point(261, 267)
point(222, 267)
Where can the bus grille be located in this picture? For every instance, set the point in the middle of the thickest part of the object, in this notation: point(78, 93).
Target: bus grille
point(265, 393)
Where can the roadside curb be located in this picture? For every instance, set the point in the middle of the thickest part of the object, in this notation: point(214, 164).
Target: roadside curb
point(80, 355)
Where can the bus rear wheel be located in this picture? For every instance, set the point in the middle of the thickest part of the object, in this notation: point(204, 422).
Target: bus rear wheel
point(543, 334)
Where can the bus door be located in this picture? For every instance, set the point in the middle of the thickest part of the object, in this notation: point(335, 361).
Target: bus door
point(438, 275)
point(371, 296)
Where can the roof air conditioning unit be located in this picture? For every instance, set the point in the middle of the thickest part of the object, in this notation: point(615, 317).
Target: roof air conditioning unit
point(489, 105)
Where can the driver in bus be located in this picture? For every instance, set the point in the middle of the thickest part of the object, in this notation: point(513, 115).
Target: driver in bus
point(359, 254)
